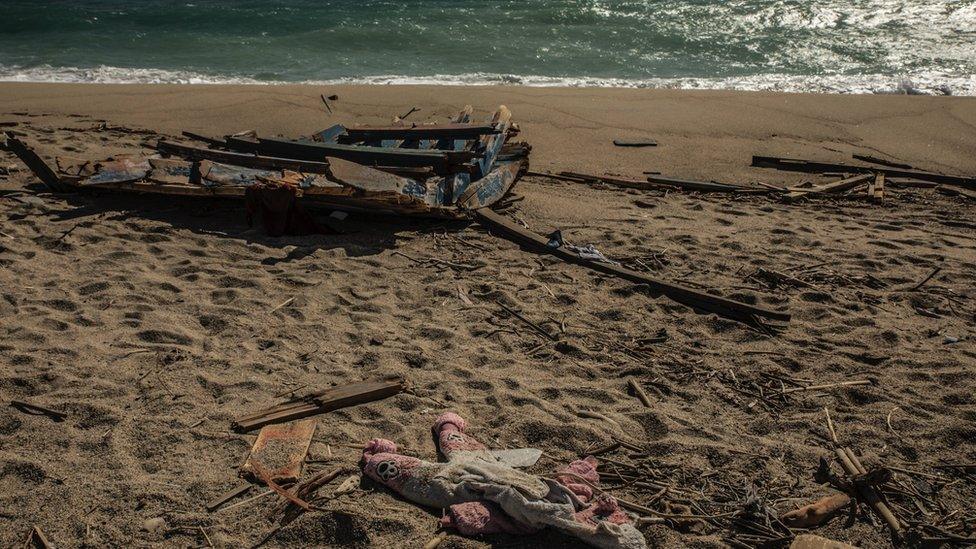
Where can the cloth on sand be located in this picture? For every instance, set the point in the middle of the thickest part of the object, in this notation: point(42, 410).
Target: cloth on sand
point(281, 213)
point(484, 495)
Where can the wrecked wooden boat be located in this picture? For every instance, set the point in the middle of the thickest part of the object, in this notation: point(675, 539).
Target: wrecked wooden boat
point(436, 170)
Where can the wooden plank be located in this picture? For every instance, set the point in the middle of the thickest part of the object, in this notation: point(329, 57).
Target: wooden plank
point(227, 496)
point(879, 187)
point(120, 170)
point(239, 159)
point(431, 131)
point(797, 165)
point(881, 161)
point(320, 402)
point(25, 152)
point(693, 298)
point(502, 119)
point(280, 450)
point(842, 185)
point(212, 141)
point(655, 183)
point(172, 171)
point(440, 161)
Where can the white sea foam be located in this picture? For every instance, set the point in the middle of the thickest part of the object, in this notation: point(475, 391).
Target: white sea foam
point(921, 84)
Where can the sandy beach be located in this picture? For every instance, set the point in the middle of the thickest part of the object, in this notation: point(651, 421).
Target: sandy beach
point(153, 322)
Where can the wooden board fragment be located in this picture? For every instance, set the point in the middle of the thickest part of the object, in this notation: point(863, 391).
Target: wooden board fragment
point(797, 165)
point(693, 298)
point(428, 131)
point(842, 185)
point(280, 450)
point(319, 403)
point(25, 152)
point(490, 188)
point(879, 187)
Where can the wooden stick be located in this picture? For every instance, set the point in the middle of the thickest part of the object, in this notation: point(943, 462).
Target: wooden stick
point(926, 279)
point(38, 540)
point(435, 542)
point(639, 392)
point(227, 496)
point(27, 407)
point(824, 386)
point(535, 327)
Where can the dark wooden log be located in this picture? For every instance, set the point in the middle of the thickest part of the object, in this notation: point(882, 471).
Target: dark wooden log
point(807, 166)
point(693, 298)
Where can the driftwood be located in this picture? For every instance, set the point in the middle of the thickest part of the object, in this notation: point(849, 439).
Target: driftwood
point(38, 165)
point(227, 496)
point(656, 182)
point(853, 467)
point(319, 403)
point(795, 165)
point(635, 143)
point(35, 409)
point(881, 161)
point(833, 187)
point(693, 298)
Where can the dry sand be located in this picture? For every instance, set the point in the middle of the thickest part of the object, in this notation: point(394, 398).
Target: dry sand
point(149, 321)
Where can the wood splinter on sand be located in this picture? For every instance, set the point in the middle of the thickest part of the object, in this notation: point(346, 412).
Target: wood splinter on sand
point(319, 403)
point(35, 409)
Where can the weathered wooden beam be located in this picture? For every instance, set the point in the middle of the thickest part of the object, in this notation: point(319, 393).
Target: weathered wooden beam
point(656, 183)
point(212, 141)
point(320, 402)
point(441, 161)
point(25, 152)
point(797, 165)
point(693, 298)
point(432, 131)
point(271, 162)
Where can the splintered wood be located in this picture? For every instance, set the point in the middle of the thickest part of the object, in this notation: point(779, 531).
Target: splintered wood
point(319, 403)
point(280, 450)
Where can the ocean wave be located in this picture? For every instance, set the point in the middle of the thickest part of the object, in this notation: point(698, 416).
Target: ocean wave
point(919, 84)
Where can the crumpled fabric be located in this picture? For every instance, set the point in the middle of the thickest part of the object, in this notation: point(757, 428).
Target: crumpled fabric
point(483, 495)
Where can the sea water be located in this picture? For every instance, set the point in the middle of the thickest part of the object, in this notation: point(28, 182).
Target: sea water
point(846, 46)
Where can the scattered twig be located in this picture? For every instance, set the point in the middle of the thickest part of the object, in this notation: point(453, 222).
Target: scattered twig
point(35, 409)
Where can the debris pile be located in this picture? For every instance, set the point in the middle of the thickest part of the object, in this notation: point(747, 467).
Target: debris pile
point(436, 170)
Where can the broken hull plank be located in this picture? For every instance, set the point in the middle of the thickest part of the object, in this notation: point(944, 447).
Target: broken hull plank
point(490, 188)
point(169, 171)
point(239, 159)
point(269, 162)
point(123, 170)
point(693, 298)
point(493, 143)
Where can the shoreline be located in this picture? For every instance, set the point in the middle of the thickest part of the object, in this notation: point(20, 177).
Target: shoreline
point(702, 134)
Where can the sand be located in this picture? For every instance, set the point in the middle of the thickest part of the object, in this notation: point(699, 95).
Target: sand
point(153, 322)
